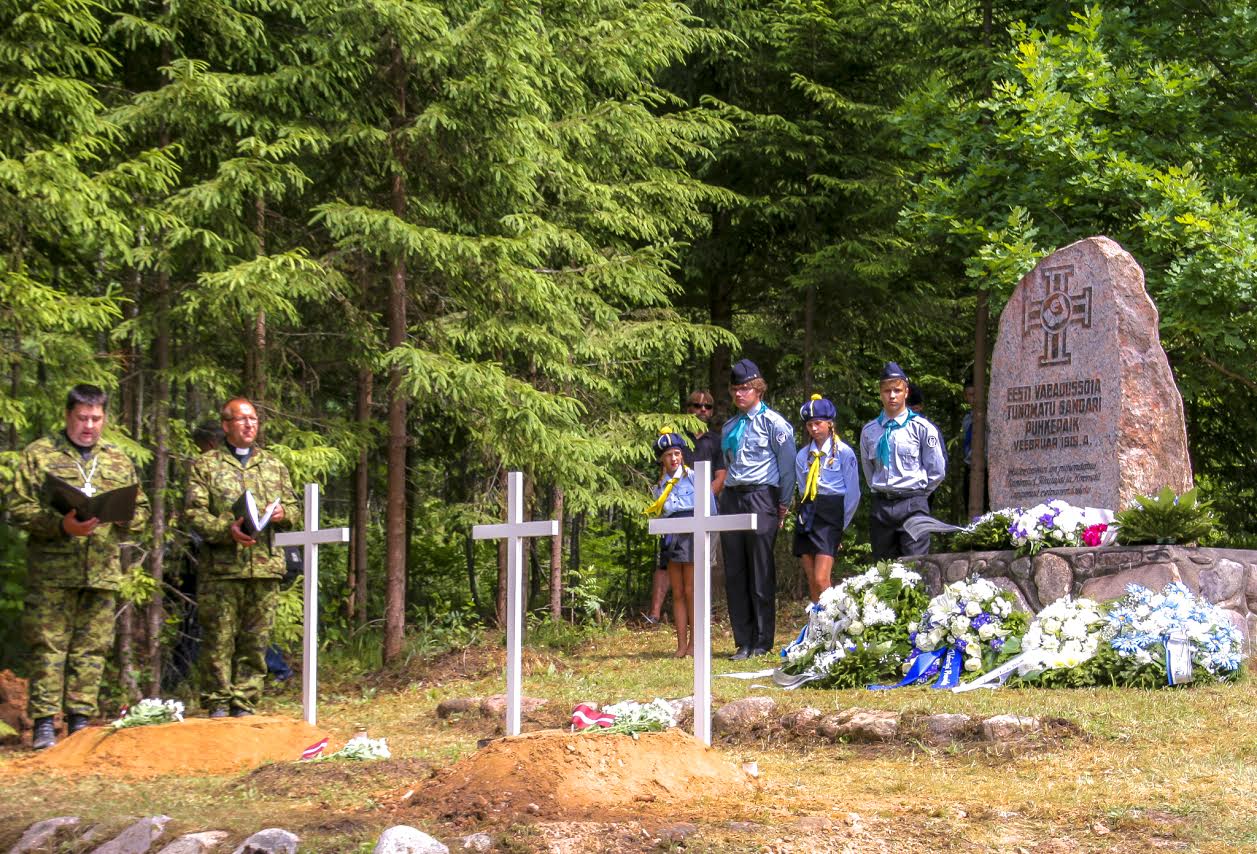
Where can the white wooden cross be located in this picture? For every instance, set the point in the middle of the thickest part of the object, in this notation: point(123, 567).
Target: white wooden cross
point(310, 539)
point(701, 524)
point(514, 531)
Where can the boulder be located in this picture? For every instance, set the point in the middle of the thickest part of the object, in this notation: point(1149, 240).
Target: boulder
point(1223, 582)
point(48, 835)
point(403, 839)
point(957, 570)
point(742, 715)
point(943, 728)
point(13, 696)
point(196, 843)
point(1009, 727)
point(457, 706)
point(869, 726)
point(495, 706)
point(476, 842)
point(138, 838)
point(801, 721)
point(1106, 587)
point(683, 709)
point(272, 840)
point(1053, 577)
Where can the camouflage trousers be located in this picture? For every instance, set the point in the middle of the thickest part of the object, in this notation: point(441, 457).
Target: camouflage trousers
point(70, 631)
point(236, 615)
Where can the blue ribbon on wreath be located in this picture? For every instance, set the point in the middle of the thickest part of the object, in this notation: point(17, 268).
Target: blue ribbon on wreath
point(950, 662)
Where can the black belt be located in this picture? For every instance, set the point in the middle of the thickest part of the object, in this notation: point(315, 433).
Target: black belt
point(753, 487)
point(895, 496)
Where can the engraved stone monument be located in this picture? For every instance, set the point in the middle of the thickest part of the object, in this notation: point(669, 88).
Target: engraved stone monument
point(1082, 405)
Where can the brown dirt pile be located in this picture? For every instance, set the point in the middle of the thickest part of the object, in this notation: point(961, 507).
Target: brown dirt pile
point(555, 773)
point(193, 746)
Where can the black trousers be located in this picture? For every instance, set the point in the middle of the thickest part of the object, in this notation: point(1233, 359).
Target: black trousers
point(886, 533)
point(750, 570)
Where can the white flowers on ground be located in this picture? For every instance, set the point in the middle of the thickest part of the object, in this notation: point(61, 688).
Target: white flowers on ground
point(150, 711)
point(1064, 634)
point(360, 749)
point(965, 617)
point(631, 717)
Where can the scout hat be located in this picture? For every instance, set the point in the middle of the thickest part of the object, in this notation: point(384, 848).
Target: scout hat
point(818, 409)
point(892, 371)
point(743, 372)
point(667, 441)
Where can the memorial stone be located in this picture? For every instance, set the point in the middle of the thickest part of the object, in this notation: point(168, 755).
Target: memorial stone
point(1083, 406)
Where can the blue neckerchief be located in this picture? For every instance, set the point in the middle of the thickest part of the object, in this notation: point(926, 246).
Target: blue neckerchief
point(890, 425)
point(733, 439)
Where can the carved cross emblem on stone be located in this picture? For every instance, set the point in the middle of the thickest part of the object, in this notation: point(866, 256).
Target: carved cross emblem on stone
point(1056, 312)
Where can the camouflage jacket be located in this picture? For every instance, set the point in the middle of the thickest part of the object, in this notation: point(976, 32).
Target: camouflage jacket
point(215, 484)
point(53, 557)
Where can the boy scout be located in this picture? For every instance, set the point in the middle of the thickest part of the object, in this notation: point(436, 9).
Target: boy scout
point(903, 461)
point(74, 565)
point(758, 447)
point(239, 576)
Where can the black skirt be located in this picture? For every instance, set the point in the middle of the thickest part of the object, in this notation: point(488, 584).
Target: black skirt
point(677, 548)
point(818, 526)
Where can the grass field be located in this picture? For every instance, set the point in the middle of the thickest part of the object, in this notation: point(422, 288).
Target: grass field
point(1144, 770)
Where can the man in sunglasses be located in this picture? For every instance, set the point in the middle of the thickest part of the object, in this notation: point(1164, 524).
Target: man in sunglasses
point(706, 446)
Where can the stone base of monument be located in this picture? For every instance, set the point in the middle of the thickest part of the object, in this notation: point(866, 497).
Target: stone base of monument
point(1225, 577)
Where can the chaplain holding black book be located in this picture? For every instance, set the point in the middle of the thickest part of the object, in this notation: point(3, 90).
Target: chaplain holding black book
point(74, 563)
point(238, 494)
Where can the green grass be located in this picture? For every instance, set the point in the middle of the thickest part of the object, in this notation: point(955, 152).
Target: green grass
point(1149, 769)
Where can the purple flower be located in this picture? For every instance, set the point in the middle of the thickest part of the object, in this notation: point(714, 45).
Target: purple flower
point(1047, 519)
point(961, 644)
point(980, 620)
point(997, 643)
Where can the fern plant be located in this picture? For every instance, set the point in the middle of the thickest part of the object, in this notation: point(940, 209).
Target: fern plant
point(1165, 518)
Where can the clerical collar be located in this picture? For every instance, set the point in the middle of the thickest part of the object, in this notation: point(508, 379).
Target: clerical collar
point(242, 454)
point(85, 451)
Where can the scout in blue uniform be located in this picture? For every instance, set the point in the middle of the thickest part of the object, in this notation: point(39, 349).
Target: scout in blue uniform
point(673, 495)
point(758, 447)
point(903, 461)
point(828, 477)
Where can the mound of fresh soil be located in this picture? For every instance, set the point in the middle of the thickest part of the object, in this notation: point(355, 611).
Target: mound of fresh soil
point(193, 746)
point(556, 773)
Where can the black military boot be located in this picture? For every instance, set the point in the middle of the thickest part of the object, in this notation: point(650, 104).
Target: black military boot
point(45, 735)
point(75, 722)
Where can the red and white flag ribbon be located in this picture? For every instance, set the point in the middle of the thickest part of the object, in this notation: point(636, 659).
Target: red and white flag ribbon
point(314, 750)
point(586, 715)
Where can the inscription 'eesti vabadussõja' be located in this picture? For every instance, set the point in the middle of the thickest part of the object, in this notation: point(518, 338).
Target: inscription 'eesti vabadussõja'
point(1082, 405)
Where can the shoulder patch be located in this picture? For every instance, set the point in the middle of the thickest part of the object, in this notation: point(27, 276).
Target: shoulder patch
point(783, 436)
point(932, 441)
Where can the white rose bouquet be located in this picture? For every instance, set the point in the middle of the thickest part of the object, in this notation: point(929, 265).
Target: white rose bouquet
point(970, 627)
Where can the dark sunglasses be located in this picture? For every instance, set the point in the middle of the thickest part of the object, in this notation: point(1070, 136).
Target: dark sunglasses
point(696, 405)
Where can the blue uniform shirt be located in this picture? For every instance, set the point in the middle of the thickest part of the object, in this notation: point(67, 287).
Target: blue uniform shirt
point(765, 454)
point(681, 498)
point(917, 464)
point(840, 473)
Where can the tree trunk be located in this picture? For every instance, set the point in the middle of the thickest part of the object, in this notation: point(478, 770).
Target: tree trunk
point(977, 471)
point(257, 338)
point(556, 557)
point(161, 469)
point(809, 338)
point(720, 305)
point(395, 515)
point(124, 648)
point(357, 606)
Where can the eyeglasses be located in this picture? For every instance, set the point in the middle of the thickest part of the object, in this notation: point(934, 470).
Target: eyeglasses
point(694, 404)
point(243, 419)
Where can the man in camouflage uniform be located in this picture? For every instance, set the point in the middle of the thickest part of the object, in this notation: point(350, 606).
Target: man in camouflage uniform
point(74, 565)
point(238, 584)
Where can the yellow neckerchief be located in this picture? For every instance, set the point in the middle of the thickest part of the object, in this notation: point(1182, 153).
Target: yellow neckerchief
point(814, 470)
point(657, 507)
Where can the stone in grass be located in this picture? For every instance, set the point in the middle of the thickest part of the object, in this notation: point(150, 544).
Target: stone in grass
point(1009, 727)
point(138, 838)
point(404, 839)
point(495, 706)
point(272, 840)
point(943, 728)
point(861, 725)
point(676, 834)
point(457, 706)
point(741, 715)
point(683, 711)
point(476, 842)
point(801, 721)
point(47, 835)
point(196, 843)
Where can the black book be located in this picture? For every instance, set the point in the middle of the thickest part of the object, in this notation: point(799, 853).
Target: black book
point(246, 508)
point(116, 505)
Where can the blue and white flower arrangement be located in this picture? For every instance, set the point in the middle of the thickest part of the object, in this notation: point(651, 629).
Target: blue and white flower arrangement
point(857, 631)
point(967, 629)
point(1056, 524)
point(1064, 634)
